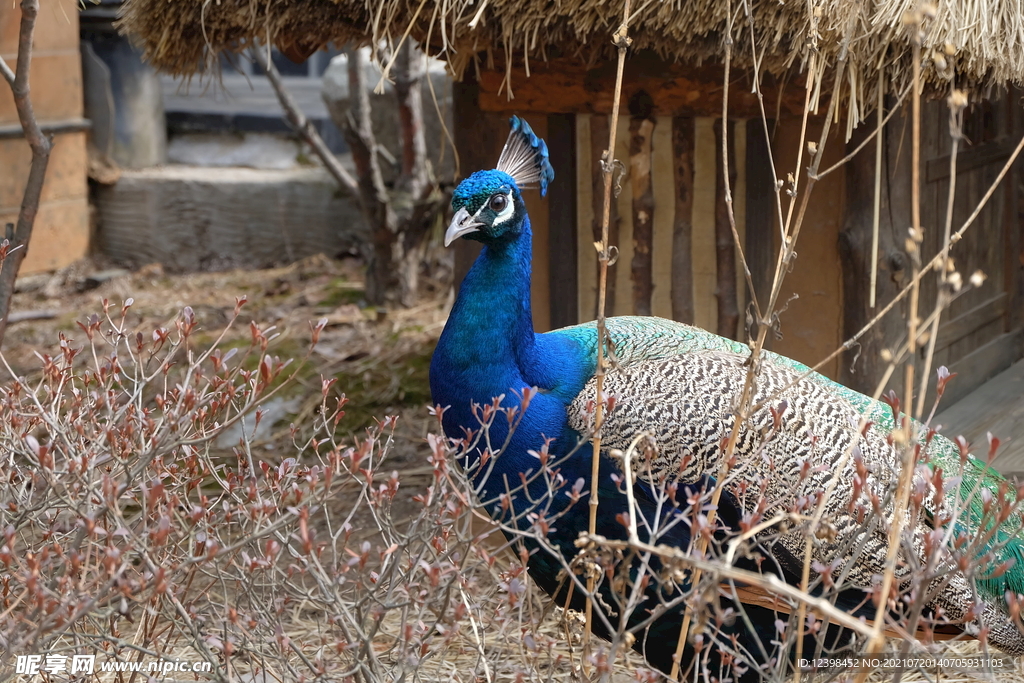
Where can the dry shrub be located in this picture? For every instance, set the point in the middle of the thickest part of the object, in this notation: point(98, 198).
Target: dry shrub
point(129, 535)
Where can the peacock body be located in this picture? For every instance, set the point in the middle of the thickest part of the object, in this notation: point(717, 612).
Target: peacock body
point(680, 384)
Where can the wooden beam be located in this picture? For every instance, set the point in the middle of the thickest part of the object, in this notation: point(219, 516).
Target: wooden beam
point(598, 144)
point(561, 141)
point(683, 135)
point(565, 85)
point(725, 246)
point(760, 196)
point(641, 130)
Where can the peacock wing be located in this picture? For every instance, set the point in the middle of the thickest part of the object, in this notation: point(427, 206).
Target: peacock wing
point(636, 341)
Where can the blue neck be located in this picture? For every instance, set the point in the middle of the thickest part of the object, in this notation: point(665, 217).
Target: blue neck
point(488, 349)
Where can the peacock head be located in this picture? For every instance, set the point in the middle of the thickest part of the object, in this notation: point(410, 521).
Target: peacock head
point(489, 205)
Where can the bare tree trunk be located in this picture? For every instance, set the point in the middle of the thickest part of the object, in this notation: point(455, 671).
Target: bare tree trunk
point(373, 194)
point(641, 130)
point(416, 179)
point(725, 249)
point(14, 252)
point(399, 218)
point(598, 142)
point(682, 228)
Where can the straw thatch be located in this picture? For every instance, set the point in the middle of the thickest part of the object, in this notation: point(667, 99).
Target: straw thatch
point(973, 43)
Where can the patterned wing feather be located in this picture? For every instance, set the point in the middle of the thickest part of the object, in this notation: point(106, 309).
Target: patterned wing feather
point(680, 384)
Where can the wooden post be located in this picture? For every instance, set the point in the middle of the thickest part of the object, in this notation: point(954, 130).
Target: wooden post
point(682, 227)
point(855, 250)
point(760, 197)
point(725, 248)
point(598, 142)
point(641, 130)
point(562, 220)
point(479, 137)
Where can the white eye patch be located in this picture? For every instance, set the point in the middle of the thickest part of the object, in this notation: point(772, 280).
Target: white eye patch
point(506, 213)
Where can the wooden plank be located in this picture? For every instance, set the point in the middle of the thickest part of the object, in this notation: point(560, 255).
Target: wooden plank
point(641, 131)
point(968, 159)
point(997, 406)
point(759, 240)
point(562, 219)
point(683, 136)
point(966, 323)
point(977, 367)
point(537, 206)
point(725, 246)
point(564, 85)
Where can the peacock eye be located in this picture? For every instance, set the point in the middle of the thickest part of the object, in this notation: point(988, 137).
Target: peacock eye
point(498, 202)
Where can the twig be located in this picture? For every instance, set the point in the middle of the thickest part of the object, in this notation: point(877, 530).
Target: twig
point(956, 132)
point(21, 316)
point(621, 41)
point(768, 582)
point(40, 144)
point(906, 479)
point(6, 71)
point(303, 126)
point(868, 138)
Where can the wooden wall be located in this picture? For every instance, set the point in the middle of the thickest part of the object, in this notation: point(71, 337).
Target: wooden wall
point(703, 246)
point(61, 233)
point(812, 324)
point(981, 333)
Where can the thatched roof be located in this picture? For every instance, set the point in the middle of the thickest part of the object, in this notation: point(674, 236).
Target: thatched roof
point(976, 43)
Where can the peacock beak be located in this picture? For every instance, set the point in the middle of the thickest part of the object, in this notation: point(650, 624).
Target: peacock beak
point(462, 224)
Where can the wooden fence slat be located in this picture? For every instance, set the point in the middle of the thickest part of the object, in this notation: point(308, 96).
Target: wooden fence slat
point(562, 221)
point(683, 134)
point(725, 247)
point(641, 130)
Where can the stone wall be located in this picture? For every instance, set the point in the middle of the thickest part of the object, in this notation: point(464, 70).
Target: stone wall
point(191, 218)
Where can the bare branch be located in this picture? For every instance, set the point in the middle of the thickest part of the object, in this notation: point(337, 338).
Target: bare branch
point(6, 71)
point(303, 125)
point(40, 145)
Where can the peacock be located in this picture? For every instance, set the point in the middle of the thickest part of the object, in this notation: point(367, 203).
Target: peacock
point(514, 399)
